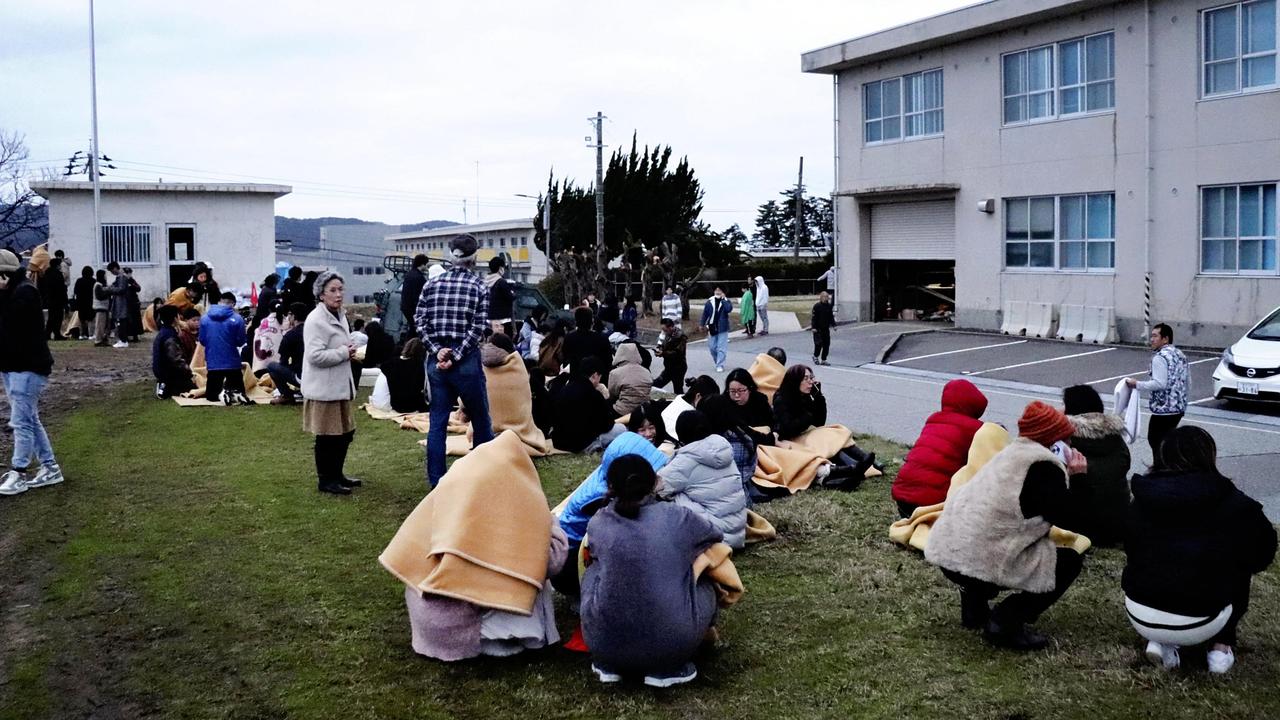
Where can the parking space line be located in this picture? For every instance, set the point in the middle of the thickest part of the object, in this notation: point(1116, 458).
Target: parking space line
point(1202, 400)
point(953, 352)
point(1139, 372)
point(1037, 362)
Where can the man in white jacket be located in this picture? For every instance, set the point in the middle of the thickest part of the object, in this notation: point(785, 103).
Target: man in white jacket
point(762, 304)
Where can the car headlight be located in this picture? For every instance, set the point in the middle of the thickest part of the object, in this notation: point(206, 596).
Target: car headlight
point(1227, 357)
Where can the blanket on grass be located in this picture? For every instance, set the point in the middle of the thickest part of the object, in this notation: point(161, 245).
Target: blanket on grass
point(259, 391)
point(482, 535)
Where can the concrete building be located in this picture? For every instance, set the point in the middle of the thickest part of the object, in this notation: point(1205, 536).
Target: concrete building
point(354, 251)
point(514, 238)
point(1063, 152)
point(162, 229)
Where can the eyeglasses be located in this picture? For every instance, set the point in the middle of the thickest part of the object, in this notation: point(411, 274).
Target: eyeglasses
point(810, 378)
point(738, 391)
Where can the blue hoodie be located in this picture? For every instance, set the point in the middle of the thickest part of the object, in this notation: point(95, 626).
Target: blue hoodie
point(222, 335)
point(572, 520)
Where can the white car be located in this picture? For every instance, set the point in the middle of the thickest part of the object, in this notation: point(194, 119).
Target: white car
point(1250, 369)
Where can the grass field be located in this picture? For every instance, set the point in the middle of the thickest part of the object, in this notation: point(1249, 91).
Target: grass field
point(188, 568)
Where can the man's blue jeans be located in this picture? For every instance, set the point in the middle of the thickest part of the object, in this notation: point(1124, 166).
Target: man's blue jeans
point(464, 380)
point(718, 344)
point(29, 438)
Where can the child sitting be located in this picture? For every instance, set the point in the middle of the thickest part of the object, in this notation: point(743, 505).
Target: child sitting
point(704, 478)
point(643, 613)
point(173, 375)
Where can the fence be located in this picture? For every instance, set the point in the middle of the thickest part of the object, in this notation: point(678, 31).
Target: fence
point(733, 288)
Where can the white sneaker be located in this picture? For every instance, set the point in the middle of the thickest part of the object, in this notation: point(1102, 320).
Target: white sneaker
point(679, 677)
point(719, 368)
point(120, 344)
point(47, 475)
point(604, 675)
point(159, 391)
point(13, 483)
point(1165, 656)
point(225, 397)
point(1220, 661)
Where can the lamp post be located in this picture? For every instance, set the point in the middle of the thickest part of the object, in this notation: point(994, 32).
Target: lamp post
point(546, 223)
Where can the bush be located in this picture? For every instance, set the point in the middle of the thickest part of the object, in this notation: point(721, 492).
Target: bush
point(553, 287)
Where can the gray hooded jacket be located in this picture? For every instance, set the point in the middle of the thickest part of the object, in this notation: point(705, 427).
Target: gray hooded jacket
point(630, 384)
point(703, 477)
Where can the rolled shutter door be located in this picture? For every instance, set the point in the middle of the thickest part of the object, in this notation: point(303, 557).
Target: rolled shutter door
point(914, 230)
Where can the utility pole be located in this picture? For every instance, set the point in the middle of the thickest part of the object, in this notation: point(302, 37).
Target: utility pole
point(601, 253)
point(477, 191)
point(93, 155)
point(799, 210)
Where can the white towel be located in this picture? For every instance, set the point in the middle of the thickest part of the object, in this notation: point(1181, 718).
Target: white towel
point(1126, 406)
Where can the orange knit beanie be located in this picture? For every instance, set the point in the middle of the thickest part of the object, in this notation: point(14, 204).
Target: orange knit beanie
point(1044, 424)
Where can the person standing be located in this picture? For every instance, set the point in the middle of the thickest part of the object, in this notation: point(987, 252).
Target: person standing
point(132, 305)
point(453, 319)
point(671, 306)
point(830, 278)
point(25, 364)
point(747, 309)
point(502, 297)
point(101, 308)
point(1167, 389)
point(715, 318)
point(118, 309)
point(83, 292)
point(327, 385)
point(411, 291)
point(822, 321)
point(762, 304)
point(53, 291)
point(675, 365)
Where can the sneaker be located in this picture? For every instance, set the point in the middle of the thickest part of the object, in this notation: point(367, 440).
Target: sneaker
point(1220, 661)
point(46, 475)
point(225, 398)
point(719, 368)
point(816, 361)
point(679, 677)
point(120, 344)
point(159, 391)
point(604, 675)
point(241, 399)
point(13, 482)
point(1165, 656)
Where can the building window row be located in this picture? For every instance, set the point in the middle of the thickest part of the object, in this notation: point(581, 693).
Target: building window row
point(909, 106)
point(1239, 47)
point(1062, 232)
point(1069, 78)
point(367, 270)
point(1238, 229)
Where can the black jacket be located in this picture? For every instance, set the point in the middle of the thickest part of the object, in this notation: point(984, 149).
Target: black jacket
point(1193, 539)
point(797, 412)
point(579, 413)
point(823, 316)
point(581, 343)
point(84, 296)
point(406, 380)
point(410, 291)
point(290, 350)
point(502, 298)
point(53, 290)
point(24, 346)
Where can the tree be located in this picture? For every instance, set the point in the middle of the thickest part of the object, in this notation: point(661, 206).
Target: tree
point(776, 222)
point(23, 220)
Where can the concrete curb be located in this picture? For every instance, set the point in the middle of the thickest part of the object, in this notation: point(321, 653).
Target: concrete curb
point(893, 343)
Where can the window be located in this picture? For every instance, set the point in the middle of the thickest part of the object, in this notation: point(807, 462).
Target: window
point(1068, 232)
point(1238, 229)
point(126, 244)
point(1070, 78)
point(1239, 47)
point(904, 107)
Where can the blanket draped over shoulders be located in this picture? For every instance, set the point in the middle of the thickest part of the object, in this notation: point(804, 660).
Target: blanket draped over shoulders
point(767, 372)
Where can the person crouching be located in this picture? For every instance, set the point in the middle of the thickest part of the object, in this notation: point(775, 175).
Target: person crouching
point(994, 535)
point(222, 334)
point(173, 374)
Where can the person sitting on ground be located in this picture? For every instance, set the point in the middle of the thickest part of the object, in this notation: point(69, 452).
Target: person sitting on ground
point(582, 420)
point(539, 334)
point(767, 370)
point(646, 421)
point(266, 340)
point(173, 374)
point(721, 416)
point(644, 612)
point(379, 348)
point(539, 397)
point(286, 372)
point(576, 510)
point(528, 328)
point(750, 407)
point(474, 586)
point(1101, 496)
point(629, 383)
point(700, 388)
point(800, 406)
point(994, 534)
point(222, 335)
point(189, 332)
point(406, 378)
point(551, 349)
point(1193, 542)
point(671, 348)
point(627, 320)
point(942, 448)
point(358, 336)
point(584, 342)
point(704, 478)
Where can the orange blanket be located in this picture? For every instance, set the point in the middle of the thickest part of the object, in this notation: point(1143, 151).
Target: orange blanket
point(792, 468)
point(715, 562)
point(483, 535)
point(510, 408)
point(767, 373)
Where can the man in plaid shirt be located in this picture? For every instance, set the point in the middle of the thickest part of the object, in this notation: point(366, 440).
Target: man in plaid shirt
point(453, 319)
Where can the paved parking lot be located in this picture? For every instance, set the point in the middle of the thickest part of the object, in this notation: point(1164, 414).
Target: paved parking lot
point(1048, 363)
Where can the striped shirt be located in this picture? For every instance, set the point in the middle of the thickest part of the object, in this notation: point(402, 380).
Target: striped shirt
point(453, 312)
point(671, 307)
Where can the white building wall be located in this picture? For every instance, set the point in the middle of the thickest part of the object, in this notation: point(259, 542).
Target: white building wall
point(1194, 142)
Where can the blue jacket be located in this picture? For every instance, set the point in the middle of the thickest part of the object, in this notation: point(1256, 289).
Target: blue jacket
point(573, 519)
point(222, 335)
point(721, 318)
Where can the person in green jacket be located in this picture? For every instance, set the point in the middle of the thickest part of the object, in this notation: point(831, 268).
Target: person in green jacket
point(748, 310)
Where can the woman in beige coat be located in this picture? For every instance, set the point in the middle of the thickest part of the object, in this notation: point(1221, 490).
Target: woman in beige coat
point(328, 388)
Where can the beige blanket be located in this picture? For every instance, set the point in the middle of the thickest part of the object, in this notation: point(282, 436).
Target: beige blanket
point(510, 408)
point(482, 536)
point(260, 392)
point(767, 373)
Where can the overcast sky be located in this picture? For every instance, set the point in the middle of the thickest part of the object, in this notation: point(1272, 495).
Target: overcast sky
point(381, 110)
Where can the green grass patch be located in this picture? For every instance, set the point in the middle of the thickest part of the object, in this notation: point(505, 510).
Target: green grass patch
point(188, 568)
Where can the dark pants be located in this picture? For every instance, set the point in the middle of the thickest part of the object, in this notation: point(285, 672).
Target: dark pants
point(1157, 428)
point(1021, 607)
point(331, 457)
point(673, 372)
point(750, 327)
point(821, 342)
point(1239, 606)
point(230, 380)
point(905, 508)
point(53, 326)
point(566, 582)
point(283, 377)
point(465, 380)
point(176, 383)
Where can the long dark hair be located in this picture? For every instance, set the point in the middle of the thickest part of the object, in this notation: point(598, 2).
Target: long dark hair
point(631, 481)
point(704, 386)
point(1189, 449)
point(740, 375)
point(653, 413)
point(721, 414)
point(791, 380)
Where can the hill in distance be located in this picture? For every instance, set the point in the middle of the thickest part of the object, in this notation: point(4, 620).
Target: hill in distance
point(304, 233)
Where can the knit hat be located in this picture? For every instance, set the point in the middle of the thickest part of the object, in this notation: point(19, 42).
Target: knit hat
point(463, 247)
point(1044, 424)
point(9, 262)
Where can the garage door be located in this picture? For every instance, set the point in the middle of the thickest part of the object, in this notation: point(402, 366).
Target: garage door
point(914, 230)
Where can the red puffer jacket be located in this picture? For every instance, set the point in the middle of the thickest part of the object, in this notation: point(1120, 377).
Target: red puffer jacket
point(943, 446)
